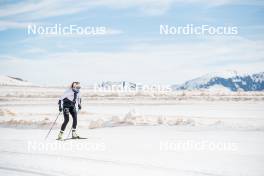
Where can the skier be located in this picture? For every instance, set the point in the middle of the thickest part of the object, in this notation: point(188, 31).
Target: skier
point(68, 103)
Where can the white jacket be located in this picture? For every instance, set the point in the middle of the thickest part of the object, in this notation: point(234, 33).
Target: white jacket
point(69, 94)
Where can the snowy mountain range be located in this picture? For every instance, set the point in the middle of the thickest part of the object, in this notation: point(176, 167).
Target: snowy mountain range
point(228, 80)
point(13, 81)
point(217, 81)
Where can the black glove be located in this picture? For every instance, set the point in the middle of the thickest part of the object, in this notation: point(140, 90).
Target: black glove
point(60, 108)
point(79, 107)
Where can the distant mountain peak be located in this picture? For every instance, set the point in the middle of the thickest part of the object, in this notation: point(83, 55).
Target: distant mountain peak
point(228, 80)
point(13, 81)
point(223, 74)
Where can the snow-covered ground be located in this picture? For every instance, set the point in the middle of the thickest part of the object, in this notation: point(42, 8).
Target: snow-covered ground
point(145, 135)
point(134, 151)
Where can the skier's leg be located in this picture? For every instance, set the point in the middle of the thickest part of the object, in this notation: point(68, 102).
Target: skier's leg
point(66, 118)
point(74, 123)
point(74, 117)
point(65, 122)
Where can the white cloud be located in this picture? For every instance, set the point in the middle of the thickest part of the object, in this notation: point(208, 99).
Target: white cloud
point(110, 31)
point(48, 8)
point(147, 63)
point(4, 25)
point(33, 50)
point(18, 14)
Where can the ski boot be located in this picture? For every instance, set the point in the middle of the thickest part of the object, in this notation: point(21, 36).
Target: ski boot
point(74, 134)
point(60, 135)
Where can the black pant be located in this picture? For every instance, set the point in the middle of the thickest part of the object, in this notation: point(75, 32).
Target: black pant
point(66, 111)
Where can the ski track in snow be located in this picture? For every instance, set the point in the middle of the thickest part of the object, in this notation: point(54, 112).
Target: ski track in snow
point(100, 161)
point(122, 153)
point(28, 171)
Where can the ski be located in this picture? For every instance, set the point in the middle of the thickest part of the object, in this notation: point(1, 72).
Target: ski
point(74, 138)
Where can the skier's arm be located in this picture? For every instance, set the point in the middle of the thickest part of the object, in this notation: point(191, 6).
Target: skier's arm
point(60, 103)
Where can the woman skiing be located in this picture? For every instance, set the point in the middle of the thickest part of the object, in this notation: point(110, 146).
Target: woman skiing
point(68, 103)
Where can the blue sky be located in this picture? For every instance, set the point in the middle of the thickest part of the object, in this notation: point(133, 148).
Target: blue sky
point(134, 50)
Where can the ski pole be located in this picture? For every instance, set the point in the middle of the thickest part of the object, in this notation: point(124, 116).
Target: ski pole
point(69, 133)
point(52, 126)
